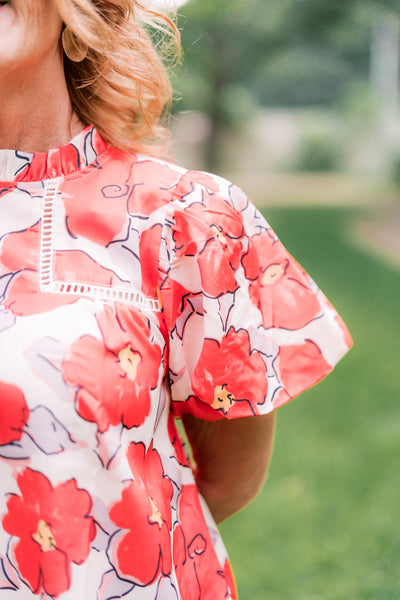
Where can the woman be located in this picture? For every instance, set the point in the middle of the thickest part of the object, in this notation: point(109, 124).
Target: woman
point(129, 285)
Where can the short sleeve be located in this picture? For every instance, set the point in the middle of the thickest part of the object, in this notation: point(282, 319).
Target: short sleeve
point(248, 328)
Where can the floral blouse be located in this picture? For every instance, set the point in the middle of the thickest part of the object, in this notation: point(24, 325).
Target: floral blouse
point(133, 291)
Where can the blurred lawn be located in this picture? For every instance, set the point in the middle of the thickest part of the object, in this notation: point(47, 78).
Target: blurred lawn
point(327, 523)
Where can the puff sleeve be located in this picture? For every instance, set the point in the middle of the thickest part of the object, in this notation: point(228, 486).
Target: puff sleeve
point(248, 328)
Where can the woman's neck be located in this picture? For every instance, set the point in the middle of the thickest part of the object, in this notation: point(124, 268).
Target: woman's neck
point(36, 112)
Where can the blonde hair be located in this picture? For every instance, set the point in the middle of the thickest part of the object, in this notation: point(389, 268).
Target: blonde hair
point(121, 87)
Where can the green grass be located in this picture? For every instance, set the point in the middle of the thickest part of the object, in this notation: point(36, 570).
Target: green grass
point(327, 523)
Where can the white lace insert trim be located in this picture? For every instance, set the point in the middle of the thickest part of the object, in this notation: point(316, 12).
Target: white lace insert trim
point(95, 292)
point(46, 255)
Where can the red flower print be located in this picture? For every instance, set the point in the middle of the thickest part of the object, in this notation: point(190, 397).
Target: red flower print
point(229, 378)
point(14, 413)
point(76, 266)
point(144, 551)
point(299, 367)
point(20, 253)
point(178, 303)
point(115, 374)
point(154, 184)
point(54, 530)
point(185, 567)
point(239, 199)
point(20, 249)
point(190, 179)
point(149, 250)
point(279, 287)
point(6, 189)
point(175, 439)
point(64, 160)
point(230, 580)
point(211, 232)
point(347, 337)
point(35, 169)
point(198, 570)
point(102, 217)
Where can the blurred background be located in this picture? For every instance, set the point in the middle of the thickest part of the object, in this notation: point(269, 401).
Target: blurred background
point(297, 101)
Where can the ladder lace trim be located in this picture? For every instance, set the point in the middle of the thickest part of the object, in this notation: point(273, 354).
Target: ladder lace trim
point(95, 292)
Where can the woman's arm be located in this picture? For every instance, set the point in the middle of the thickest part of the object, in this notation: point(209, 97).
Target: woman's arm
point(231, 459)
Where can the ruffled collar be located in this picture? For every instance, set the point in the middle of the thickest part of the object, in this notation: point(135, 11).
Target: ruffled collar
point(83, 150)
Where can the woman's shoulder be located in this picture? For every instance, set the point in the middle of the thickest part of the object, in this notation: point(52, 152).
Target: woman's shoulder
point(157, 182)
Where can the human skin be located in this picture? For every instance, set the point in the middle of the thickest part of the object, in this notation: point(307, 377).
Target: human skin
point(36, 115)
point(231, 459)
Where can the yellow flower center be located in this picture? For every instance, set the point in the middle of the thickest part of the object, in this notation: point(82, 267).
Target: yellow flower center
point(272, 274)
point(223, 399)
point(218, 231)
point(155, 517)
point(44, 537)
point(129, 361)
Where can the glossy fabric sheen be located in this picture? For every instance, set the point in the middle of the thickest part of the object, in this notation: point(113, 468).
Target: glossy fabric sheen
point(133, 291)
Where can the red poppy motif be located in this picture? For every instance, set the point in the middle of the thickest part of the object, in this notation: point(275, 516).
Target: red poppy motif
point(279, 288)
point(102, 218)
point(192, 179)
point(115, 374)
point(23, 297)
point(185, 568)
point(20, 253)
point(229, 378)
point(144, 552)
point(76, 266)
point(54, 528)
point(149, 250)
point(14, 413)
point(212, 232)
point(20, 249)
point(178, 304)
point(300, 366)
point(198, 570)
point(154, 184)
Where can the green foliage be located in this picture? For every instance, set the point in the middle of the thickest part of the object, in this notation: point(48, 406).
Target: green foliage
point(288, 53)
point(317, 152)
point(324, 526)
point(395, 171)
point(302, 76)
point(359, 105)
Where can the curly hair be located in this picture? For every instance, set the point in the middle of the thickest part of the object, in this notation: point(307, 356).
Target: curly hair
point(122, 86)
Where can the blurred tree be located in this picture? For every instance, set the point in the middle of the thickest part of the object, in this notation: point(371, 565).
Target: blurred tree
point(220, 44)
point(240, 53)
